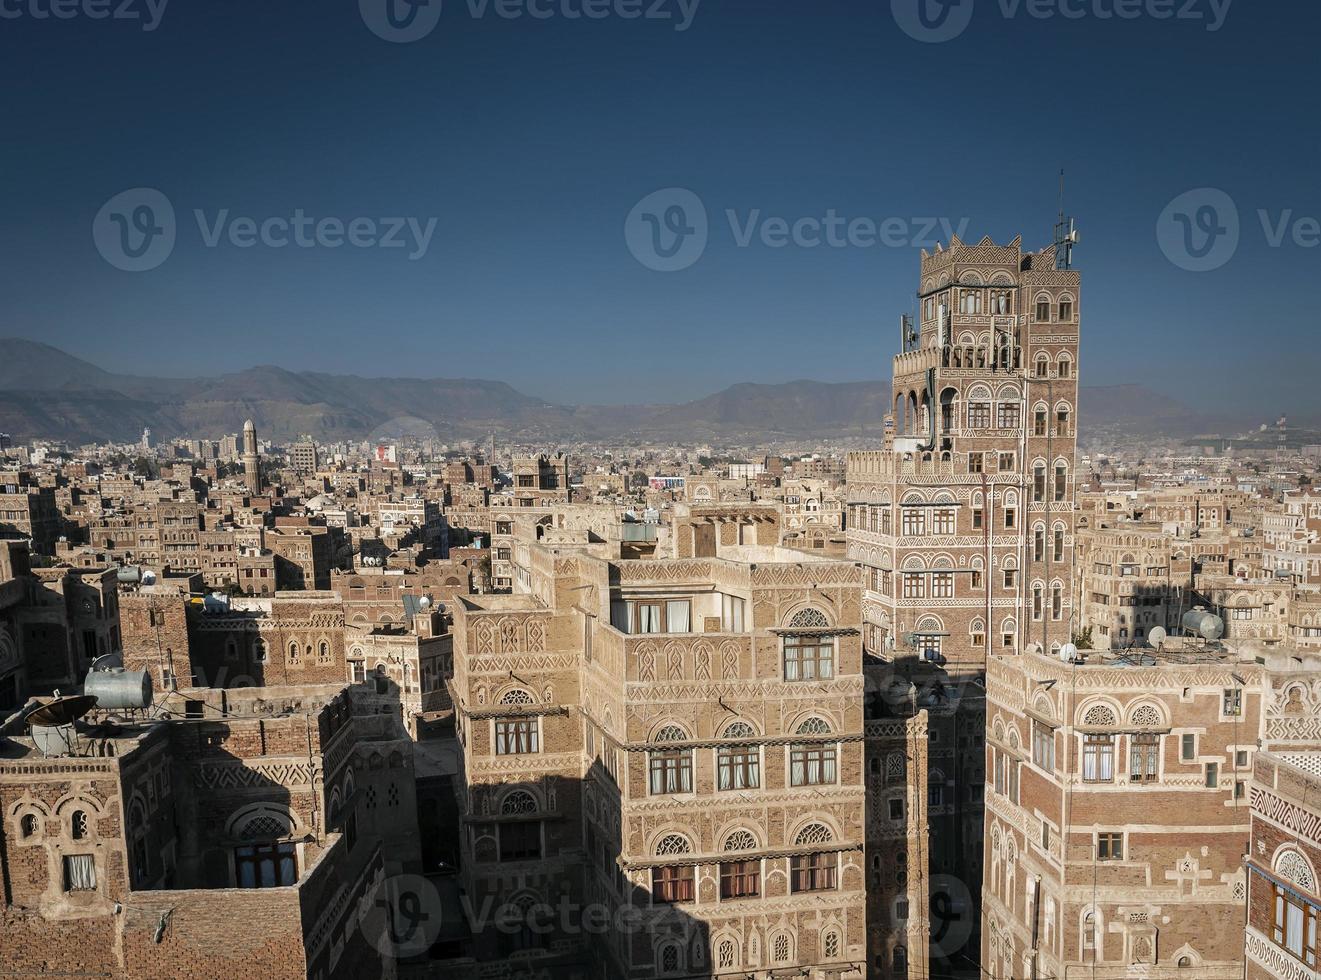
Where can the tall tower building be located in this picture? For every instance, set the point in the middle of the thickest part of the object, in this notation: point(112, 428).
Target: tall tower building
point(251, 458)
point(964, 519)
point(966, 516)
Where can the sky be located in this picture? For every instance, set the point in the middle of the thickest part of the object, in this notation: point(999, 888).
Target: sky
point(610, 201)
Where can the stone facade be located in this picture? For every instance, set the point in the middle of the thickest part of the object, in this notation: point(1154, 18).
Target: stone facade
point(687, 735)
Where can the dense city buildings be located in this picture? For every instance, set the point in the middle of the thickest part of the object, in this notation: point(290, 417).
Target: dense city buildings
point(957, 696)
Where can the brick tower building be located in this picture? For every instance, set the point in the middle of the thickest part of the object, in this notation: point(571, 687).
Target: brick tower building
point(964, 519)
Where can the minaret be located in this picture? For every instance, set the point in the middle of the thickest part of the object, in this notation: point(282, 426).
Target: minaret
point(251, 458)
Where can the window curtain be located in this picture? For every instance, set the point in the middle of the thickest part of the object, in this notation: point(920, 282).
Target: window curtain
point(648, 617)
point(619, 616)
point(677, 615)
point(1294, 929)
point(80, 870)
point(1098, 761)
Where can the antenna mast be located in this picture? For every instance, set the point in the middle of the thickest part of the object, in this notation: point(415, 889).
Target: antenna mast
point(1066, 235)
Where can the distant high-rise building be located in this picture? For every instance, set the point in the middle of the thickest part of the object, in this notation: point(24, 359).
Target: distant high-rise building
point(303, 456)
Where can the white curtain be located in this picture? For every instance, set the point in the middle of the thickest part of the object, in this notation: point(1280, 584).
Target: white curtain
point(80, 870)
point(1293, 934)
point(677, 616)
point(648, 617)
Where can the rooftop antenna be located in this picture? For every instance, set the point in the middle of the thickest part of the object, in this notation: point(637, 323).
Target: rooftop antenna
point(1066, 235)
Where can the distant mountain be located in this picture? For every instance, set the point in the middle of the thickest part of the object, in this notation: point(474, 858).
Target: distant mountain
point(47, 393)
point(793, 407)
point(1118, 402)
point(26, 364)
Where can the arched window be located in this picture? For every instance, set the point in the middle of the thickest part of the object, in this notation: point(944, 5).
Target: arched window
point(815, 871)
point(669, 958)
point(780, 949)
point(672, 844)
point(1099, 716)
point(738, 766)
point(726, 954)
point(519, 801)
point(1061, 480)
point(740, 840)
point(1146, 716)
point(78, 824)
point(517, 735)
point(809, 618)
point(670, 769)
point(1038, 482)
point(672, 882)
point(830, 944)
point(28, 825)
point(813, 763)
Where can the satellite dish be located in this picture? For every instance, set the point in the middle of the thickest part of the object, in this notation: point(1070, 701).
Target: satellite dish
point(1157, 635)
point(1068, 652)
point(61, 711)
point(148, 577)
point(425, 602)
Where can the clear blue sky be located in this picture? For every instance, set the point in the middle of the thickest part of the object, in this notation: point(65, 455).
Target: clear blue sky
point(529, 140)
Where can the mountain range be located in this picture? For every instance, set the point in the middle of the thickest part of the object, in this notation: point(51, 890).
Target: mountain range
point(48, 393)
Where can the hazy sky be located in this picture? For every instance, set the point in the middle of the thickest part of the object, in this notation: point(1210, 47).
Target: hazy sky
point(529, 140)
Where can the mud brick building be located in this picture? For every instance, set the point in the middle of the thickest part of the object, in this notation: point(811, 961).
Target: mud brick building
point(248, 841)
point(682, 741)
point(1284, 900)
point(53, 623)
point(964, 518)
point(1118, 805)
point(1131, 579)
